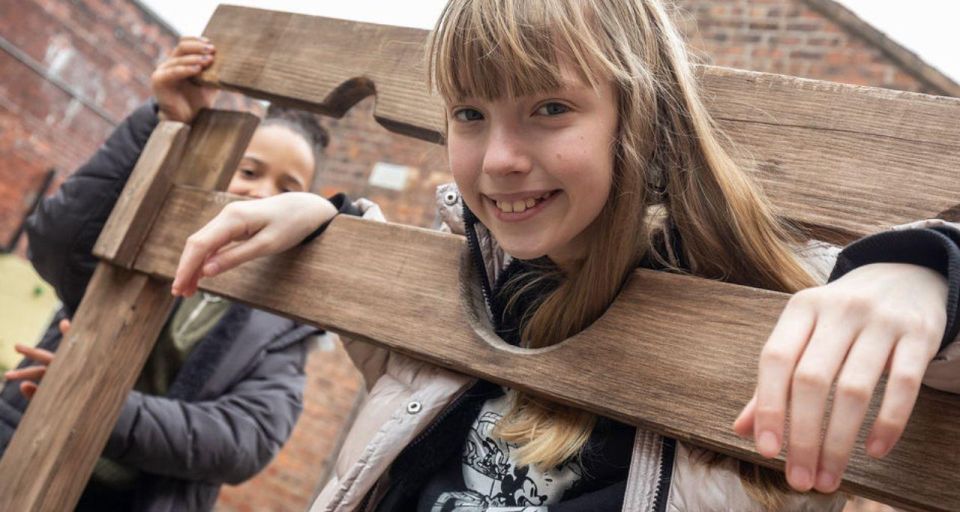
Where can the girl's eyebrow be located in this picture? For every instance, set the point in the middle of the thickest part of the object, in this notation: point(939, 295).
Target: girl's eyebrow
point(256, 161)
point(293, 178)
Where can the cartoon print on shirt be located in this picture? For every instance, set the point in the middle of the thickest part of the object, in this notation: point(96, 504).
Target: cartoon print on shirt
point(494, 482)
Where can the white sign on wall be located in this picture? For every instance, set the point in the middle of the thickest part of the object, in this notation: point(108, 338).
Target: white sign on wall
point(390, 176)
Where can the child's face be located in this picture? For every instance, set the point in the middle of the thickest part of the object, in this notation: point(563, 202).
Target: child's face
point(277, 160)
point(536, 170)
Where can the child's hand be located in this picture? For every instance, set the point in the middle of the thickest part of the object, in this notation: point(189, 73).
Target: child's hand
point(260, 227)
point(32, 375)
point(880, 316)
point(180, 99)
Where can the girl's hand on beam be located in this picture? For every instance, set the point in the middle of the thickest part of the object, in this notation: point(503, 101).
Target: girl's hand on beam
point(879, 317)
point(245, 230)
point(179, 98)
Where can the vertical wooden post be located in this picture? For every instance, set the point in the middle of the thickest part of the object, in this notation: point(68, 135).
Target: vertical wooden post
point(50, 458)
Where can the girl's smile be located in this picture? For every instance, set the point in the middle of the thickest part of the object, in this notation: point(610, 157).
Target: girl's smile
point(520, 206)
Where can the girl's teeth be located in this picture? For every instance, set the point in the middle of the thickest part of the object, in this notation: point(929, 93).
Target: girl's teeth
point(519, 206)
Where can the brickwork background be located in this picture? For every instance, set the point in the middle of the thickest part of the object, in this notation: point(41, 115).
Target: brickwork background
point(73, 68)
point(101, 52)
point(787, 37)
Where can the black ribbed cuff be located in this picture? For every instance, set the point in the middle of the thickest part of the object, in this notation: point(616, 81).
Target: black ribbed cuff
point(936, 248)
point(344, 205)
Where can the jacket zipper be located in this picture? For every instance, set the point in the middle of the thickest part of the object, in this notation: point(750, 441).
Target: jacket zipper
point(473, 245)
point(668, 450)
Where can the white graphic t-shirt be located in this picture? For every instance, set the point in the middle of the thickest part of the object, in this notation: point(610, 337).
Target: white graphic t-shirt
point(493, 481)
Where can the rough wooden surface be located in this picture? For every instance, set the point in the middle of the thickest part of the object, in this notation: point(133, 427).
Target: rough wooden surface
point(676, 350)
point(63, 432)
point(217, 141)
point(325, 65)
point(140, 201)
point(56, 444)
point(854, 159)
point(844, 159)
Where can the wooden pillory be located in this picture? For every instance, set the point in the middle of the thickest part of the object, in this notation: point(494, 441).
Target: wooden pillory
point(674, 354)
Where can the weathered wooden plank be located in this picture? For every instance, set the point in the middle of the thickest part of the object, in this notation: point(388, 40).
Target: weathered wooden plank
point(217, 141)
point(70, 418)
point(140, 201)
point(327, 65)
point(852, 158)
point(846, 157)
point(677, 350)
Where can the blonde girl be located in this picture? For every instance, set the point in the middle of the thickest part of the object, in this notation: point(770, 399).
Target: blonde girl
point(568, 121)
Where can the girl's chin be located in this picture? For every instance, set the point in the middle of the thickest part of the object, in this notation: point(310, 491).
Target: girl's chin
point(520, 250)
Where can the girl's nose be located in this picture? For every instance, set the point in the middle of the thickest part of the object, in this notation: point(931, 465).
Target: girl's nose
point(506, 153)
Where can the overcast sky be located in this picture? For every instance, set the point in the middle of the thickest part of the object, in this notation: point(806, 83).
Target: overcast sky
point(926, 27)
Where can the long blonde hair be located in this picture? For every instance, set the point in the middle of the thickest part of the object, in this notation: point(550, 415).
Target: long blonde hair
point(668, 153)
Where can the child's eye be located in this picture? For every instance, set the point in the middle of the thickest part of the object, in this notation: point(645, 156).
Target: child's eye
point(248, 173)
point(552, 109)
point(467, 114)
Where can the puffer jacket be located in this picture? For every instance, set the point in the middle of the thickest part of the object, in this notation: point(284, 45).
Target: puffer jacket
point(406, 397)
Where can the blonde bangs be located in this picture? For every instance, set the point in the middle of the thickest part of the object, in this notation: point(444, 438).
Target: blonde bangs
point(490, 49)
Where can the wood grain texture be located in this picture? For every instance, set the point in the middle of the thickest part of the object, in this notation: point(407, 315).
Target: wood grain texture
point(325, 65)
point(51, 455)
point(217, 141)
point(143, 195)
point(843, 159)
point(675, 349)
point(69, 420)
point(855, 159)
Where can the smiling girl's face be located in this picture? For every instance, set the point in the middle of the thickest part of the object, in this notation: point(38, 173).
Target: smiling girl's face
point(536, 169)
point(277, 160)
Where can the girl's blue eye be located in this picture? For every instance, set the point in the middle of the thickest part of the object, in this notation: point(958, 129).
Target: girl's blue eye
point(552, 109)
point(468, 114)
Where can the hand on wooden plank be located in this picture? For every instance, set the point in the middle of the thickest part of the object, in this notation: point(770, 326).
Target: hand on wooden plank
point(177, 96)
point(880, 316)
point(246, 230)
point(32, 375)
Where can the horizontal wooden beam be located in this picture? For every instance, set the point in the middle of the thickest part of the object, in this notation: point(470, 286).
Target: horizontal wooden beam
point(844, 159)
point(673, 354)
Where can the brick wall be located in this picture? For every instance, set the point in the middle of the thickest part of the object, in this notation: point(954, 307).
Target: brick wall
point(788, 37)
point(72, 70)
